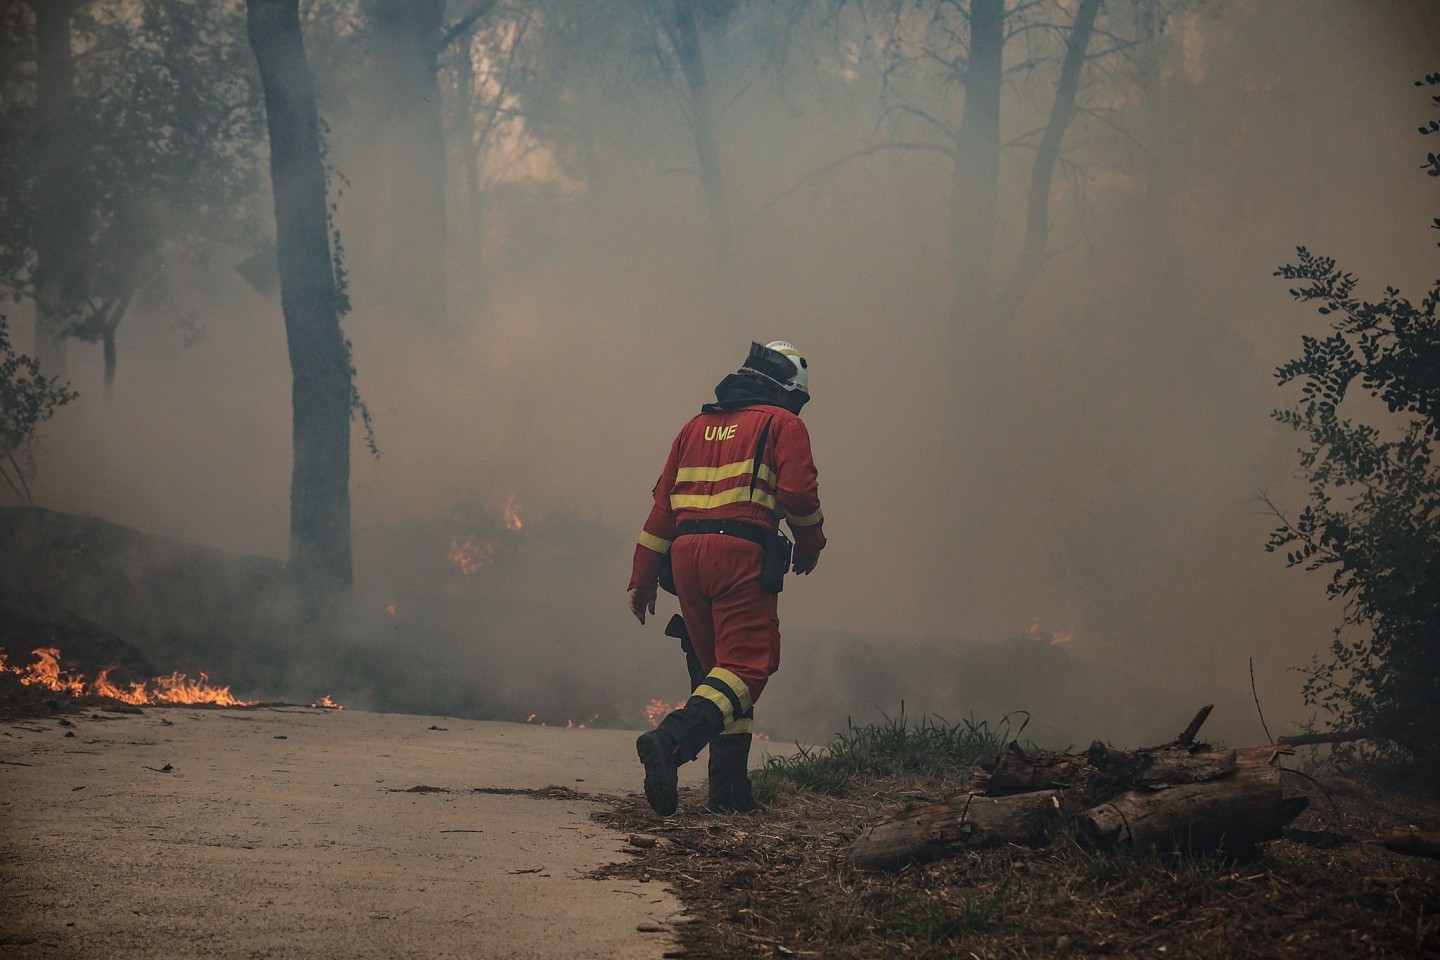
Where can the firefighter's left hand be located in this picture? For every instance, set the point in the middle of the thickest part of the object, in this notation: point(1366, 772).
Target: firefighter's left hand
point(642, 599)
point(805, 562)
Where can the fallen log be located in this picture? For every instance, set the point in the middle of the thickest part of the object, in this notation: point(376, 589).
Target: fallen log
point(1016, 771)
point(928, 832)
point(1416, 843)
point(1241, 807)
point(1158, 767)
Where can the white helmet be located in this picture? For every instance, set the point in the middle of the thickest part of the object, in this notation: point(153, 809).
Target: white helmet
point(779, 362)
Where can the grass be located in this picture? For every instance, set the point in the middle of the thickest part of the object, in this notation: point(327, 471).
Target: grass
point(932, 748)
point(779, 883)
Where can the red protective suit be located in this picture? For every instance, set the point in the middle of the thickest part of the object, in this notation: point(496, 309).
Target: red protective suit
point(718, 470)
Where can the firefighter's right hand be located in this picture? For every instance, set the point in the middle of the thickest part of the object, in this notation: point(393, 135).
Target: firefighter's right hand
point(642, 599)
point(805, 562)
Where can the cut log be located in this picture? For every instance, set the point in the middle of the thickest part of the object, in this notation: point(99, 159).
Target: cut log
point(1239, 808)
point(1016, 771)
point(1414, 842)
point(1158, 767)
point(934, 830)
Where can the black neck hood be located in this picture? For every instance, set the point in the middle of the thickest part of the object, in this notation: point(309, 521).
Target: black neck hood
point(746, 390)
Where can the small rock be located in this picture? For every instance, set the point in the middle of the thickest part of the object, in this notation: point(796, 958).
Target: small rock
point(649, 927)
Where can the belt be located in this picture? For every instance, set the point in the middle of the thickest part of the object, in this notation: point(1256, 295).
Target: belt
point(730, 528)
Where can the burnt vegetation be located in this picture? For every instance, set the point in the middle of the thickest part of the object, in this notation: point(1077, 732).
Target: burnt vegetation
point(781, 883)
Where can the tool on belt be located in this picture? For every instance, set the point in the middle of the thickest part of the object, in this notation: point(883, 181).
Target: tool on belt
point(676, 628)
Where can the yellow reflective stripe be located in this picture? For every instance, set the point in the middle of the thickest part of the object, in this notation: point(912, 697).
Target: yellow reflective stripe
point(743, 725)
point(719, 699)
point(735, 684)
point(809, 521)
point(739, 468)
point(700, 501)
point(652, 542)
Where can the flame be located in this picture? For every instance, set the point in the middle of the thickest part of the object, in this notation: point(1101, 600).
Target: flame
point(511, 517)
point(656, 710)
point(471, 555)
point(103, 686)
point(569, 724)
point(177, 688)
point(325, 703)
point(1056, 638)
point(391, 608)
point(46, 672)
point(473, 552)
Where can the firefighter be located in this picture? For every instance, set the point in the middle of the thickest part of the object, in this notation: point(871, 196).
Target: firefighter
point(733, 473)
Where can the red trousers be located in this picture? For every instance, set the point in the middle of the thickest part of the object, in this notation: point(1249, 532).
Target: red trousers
point(733, 623)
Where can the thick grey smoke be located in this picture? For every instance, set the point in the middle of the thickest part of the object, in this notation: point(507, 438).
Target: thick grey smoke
point(1093, 557)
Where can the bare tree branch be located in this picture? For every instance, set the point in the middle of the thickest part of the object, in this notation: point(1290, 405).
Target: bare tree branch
point(464, 25)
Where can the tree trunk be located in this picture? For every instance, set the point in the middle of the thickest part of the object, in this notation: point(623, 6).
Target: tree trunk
point(1242, 807)
point(59, 280)
point(935, 830)
point(1042, 174)
point(697, 85)
point(975, 180)
point(114, 313)
point(319, 358)
point(408, 36)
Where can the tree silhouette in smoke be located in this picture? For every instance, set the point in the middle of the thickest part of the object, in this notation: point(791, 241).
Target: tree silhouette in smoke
point(322, 390)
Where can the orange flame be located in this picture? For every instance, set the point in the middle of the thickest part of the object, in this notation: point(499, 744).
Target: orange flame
point(176, 688)
point(325, 703)
point(471, 555)
point(569, 724)
point(474, 552)
point(656, 710)
point(1055, 638)
point(512, 519)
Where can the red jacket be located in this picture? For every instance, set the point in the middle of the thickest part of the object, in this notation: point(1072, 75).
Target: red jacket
point(709, 475)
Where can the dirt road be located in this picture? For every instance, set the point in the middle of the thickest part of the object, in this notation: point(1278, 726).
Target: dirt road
point(316, 834)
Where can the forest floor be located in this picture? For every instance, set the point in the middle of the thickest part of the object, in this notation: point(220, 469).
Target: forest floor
point(777, 884)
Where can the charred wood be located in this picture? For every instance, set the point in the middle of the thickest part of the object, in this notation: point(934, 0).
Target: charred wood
point(1016, 771)
point(1239, 806)
point(965, 822)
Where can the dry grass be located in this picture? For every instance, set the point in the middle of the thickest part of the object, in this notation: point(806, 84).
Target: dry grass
point(776, 884)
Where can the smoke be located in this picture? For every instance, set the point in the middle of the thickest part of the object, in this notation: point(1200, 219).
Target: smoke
point(1099, 483)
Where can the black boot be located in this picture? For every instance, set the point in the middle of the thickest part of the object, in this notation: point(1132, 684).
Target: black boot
point(677, 740)
point(730, 775)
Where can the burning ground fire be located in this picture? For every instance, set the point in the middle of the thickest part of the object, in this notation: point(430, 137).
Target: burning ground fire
point(655, 711)
point(472, 553)
point(174, 690)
